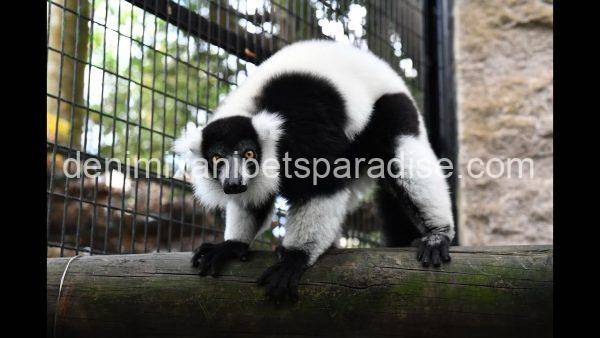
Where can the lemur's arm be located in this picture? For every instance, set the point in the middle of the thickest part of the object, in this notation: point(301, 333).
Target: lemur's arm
point(425, 192)
point(241, 226)
point(243, 223)
point(311, 228)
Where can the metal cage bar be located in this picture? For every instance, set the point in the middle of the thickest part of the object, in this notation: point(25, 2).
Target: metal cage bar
point(126, 75)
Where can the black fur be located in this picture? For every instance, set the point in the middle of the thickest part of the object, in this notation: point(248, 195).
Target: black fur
point(281, 279)
point(210, 257)
point(393, 115)
point(434, 254)
point(398, 228)
point(315, 118)
point(315, 115)
point(261, 213)
point(226, 134)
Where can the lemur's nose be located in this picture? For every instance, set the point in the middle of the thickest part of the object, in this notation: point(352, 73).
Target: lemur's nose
point(234, 186)
point(233, 183)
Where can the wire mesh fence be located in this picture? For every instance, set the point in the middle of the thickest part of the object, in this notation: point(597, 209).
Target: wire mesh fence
point(124, 77)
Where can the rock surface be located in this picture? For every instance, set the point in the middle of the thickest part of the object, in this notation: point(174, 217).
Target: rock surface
point(504, 55)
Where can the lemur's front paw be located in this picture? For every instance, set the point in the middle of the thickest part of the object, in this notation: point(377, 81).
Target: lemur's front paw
point(434, 249)
point(281, 279)
point(210, 257)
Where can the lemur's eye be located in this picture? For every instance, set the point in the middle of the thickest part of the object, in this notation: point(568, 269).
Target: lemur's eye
point(216, 157)
point(249, 154)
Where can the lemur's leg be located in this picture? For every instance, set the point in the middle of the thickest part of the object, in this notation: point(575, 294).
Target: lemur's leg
point(241, 226)
point(311, 228)
point(424, 191)
point(358, 190)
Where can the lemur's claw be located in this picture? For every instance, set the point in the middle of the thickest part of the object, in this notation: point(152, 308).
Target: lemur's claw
point(281, 279)
point(210, 257)
point(434, 249)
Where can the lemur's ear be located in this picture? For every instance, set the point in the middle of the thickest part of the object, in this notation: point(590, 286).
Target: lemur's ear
point(269, 126)
point(189, 141)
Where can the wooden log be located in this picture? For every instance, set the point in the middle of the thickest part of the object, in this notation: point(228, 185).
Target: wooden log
point(483, 292)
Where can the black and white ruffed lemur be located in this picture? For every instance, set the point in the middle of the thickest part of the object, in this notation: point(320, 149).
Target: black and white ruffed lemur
point(316, 100)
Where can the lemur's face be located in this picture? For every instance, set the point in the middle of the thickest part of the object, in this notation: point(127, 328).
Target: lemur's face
point(231, 148)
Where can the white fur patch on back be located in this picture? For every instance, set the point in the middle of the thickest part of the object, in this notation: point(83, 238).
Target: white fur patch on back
point(359, 75)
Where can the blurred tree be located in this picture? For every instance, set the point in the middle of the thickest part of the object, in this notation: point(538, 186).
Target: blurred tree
point(296, 20)
point(68, 37)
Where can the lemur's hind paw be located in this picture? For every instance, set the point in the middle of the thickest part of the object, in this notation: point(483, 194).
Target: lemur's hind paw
point(210, 257)
point(434, 249)
point(281, 279)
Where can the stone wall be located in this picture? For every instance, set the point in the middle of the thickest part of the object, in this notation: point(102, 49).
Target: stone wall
point(504, 92)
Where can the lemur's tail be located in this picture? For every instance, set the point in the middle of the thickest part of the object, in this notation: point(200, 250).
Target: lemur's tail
point(398, 229)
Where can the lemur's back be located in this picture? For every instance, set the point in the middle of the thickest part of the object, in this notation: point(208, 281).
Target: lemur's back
point(335, 101)
point(360, 77)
